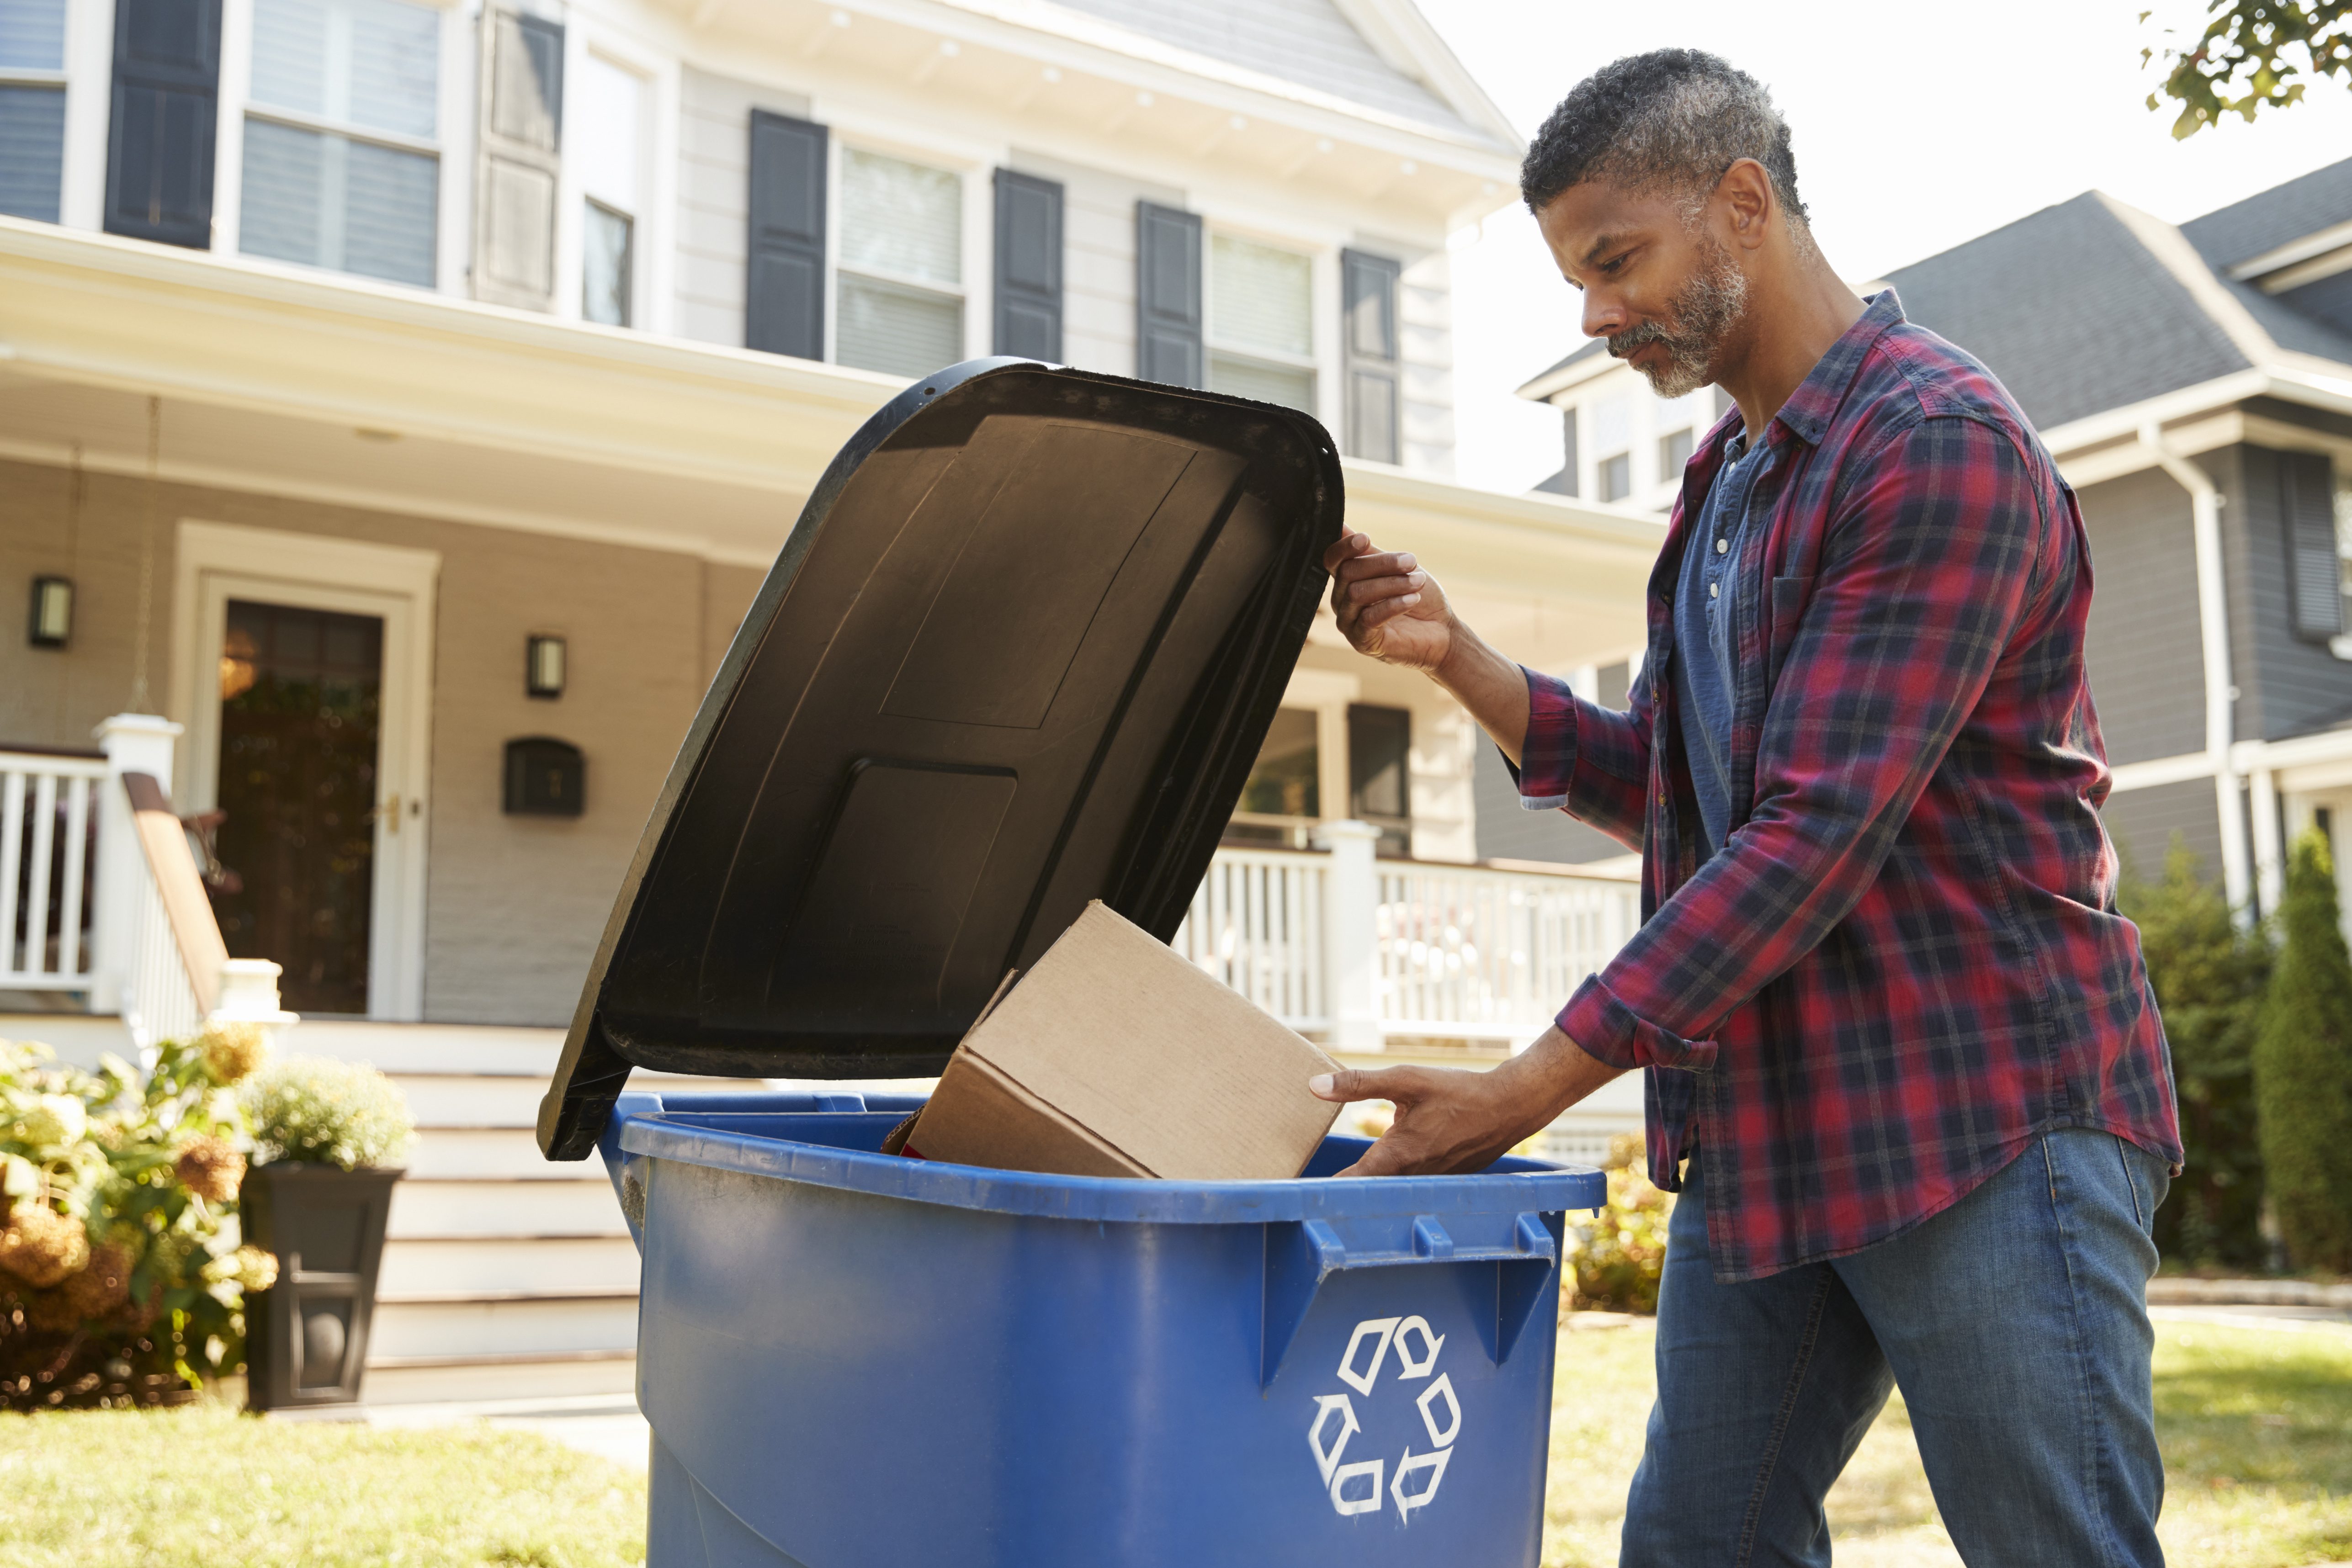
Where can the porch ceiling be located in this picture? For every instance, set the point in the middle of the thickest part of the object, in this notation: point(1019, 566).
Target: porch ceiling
point(326, 388)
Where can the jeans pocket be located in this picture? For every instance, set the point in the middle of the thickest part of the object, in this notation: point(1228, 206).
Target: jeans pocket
point(2147, 1182)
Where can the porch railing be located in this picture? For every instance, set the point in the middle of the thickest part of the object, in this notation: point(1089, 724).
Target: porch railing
point(1354, 950)
point(48, 822)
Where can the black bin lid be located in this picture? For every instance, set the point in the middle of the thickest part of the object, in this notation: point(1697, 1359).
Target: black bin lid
point(1019, 652)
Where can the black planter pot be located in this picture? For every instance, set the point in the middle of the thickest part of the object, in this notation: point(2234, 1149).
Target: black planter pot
point(307, 1337)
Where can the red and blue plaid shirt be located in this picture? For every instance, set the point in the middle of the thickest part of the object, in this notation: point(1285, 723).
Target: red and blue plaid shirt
point(1905, 963)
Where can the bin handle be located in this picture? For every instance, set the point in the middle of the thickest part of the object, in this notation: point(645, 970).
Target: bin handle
point(1301, 1254)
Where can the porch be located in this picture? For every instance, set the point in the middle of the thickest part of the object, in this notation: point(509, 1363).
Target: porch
point(506, 1276)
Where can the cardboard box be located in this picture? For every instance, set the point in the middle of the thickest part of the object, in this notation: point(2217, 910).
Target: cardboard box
point(1113, 1057)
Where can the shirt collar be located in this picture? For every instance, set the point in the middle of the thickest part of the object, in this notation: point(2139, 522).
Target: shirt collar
point(1809, 409)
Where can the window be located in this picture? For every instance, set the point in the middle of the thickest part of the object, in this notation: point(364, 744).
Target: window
point(32, 107)
point(606, 138)
point(1379, 773)
point(1368, 286)
point(1282, 802)
point(342, 170)
point(1261, 323)
point(1612, 439)
point(899, 295)
point(1617, 477)
point(1673, 451)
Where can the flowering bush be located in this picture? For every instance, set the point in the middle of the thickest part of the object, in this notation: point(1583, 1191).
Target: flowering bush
point(121, 1276)
point(315, 1111)
point(1619, 1253)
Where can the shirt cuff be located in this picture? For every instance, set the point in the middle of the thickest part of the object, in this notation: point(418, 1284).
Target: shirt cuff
point(1613, 1034)
point(1548, 756)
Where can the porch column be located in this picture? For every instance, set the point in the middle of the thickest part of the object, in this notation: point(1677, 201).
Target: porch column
point(2270, 857)
point(1351, 935)
point(133, 743)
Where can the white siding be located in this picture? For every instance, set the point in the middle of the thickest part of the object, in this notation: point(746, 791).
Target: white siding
point(1425, 325)
point(714, 194)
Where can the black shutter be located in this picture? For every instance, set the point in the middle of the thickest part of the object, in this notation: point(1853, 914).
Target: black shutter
point(1167, 295)
point(158, 156)
point(784, 282)
point(520, 127)
point(1028, 267)
point(1368, 347)
point(2307, 506)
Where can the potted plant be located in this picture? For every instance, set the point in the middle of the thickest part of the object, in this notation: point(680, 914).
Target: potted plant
point(121, 1276)
point(328, 1139)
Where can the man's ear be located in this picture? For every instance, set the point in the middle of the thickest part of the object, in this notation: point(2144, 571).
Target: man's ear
point(1746, 197)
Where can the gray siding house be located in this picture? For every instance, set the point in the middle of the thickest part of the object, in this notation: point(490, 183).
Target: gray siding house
point(2195, 384)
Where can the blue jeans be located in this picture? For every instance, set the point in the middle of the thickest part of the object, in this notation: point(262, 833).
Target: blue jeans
point(2016, 1324)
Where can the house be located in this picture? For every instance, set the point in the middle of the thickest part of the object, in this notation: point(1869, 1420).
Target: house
point(2195, 384)
point(400, 403)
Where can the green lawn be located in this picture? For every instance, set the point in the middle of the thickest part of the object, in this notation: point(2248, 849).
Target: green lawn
point(2257, 1429)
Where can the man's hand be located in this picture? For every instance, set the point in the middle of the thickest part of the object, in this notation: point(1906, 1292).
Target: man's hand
point(1387, 606)
point(1449, 1121)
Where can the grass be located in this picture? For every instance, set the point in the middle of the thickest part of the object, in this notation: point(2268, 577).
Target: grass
point(2256, 1426)
point(204, 1487)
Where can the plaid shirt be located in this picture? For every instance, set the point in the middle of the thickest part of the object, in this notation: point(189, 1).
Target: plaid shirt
point(1905, 962)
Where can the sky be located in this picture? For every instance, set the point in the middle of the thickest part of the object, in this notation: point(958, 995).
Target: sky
point(1917, 126)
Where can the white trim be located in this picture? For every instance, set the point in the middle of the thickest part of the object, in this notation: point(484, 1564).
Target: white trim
point(89, 102)
point(2321, 244)
point(215, 562)
point(2158, 771)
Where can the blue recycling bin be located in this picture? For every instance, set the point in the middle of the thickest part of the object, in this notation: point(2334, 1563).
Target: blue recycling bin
point(1020, 652)
point(849, 1358)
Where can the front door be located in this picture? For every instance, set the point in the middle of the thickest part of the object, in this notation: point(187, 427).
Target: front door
point(301, 704)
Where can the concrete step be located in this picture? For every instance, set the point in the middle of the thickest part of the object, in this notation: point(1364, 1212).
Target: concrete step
point(584, 1205)
point(504, 1265)
point(504, 1154)
point(472, 1100)
point(398, 1048)
point(413, 1327)
point(423, 1380)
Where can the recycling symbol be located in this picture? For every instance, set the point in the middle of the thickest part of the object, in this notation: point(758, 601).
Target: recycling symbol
point(1355, 1486)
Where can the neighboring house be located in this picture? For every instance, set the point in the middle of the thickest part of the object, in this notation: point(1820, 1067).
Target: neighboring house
point(405, 401)
point(2195, 384)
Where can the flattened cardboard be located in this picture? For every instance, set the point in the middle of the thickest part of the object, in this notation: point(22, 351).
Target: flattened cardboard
point(1112, 1056)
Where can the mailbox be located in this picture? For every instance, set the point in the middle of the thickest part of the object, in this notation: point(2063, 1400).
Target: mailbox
point(545, 778)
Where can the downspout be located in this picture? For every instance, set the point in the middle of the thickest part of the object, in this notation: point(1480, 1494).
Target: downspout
point(2213, 628)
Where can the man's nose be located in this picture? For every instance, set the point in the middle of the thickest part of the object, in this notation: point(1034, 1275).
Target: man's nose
point(1603, 315)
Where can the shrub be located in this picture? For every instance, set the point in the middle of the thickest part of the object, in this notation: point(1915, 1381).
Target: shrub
point(121, 1279)
point(314, 1110)
point(1619, 1252)
point(2303, 1069)
point(2209, 978)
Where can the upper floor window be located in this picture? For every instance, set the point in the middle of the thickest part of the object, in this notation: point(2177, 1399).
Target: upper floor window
point(607, 136)
point(899, 289)
point(341, 166)
point(32, 107)
point(1613, 441)
point(1261, 321)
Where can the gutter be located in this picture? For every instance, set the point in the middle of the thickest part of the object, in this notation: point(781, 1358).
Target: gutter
point(2220, 696)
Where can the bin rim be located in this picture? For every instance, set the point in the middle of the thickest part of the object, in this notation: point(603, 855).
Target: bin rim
point(1533, 1186)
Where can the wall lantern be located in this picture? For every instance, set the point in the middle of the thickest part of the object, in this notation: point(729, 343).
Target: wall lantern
point(52, 618)
point(542, 669)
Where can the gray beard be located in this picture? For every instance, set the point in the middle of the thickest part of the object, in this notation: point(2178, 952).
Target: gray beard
point(1704, 314)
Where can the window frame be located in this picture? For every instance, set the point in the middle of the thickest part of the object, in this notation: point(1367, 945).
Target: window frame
point(976, 233)
point(1600, 490)
point(1320, 345)
point(58, 80)
point(583, 44)
point(238, 106)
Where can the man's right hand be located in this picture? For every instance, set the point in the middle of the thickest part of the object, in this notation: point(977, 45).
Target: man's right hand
point(1387, 607)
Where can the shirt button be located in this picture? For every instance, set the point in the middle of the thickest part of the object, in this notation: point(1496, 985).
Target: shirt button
point(1710, 590)
point(1721, 546)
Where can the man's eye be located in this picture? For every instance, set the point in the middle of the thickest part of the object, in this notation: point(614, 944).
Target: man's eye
point(1613, 264)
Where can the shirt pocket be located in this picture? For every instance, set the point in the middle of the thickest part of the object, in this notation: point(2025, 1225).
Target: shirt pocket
point(1786, 608)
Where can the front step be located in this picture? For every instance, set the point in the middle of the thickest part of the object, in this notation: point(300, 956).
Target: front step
point(515, 1210)
point(460, 1325)
point(496, 1266)
point(430, 1380)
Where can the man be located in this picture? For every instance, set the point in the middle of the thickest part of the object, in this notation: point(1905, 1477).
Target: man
point(1901, 1059)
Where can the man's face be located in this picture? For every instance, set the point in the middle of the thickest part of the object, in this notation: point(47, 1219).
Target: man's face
point(1658, 283)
